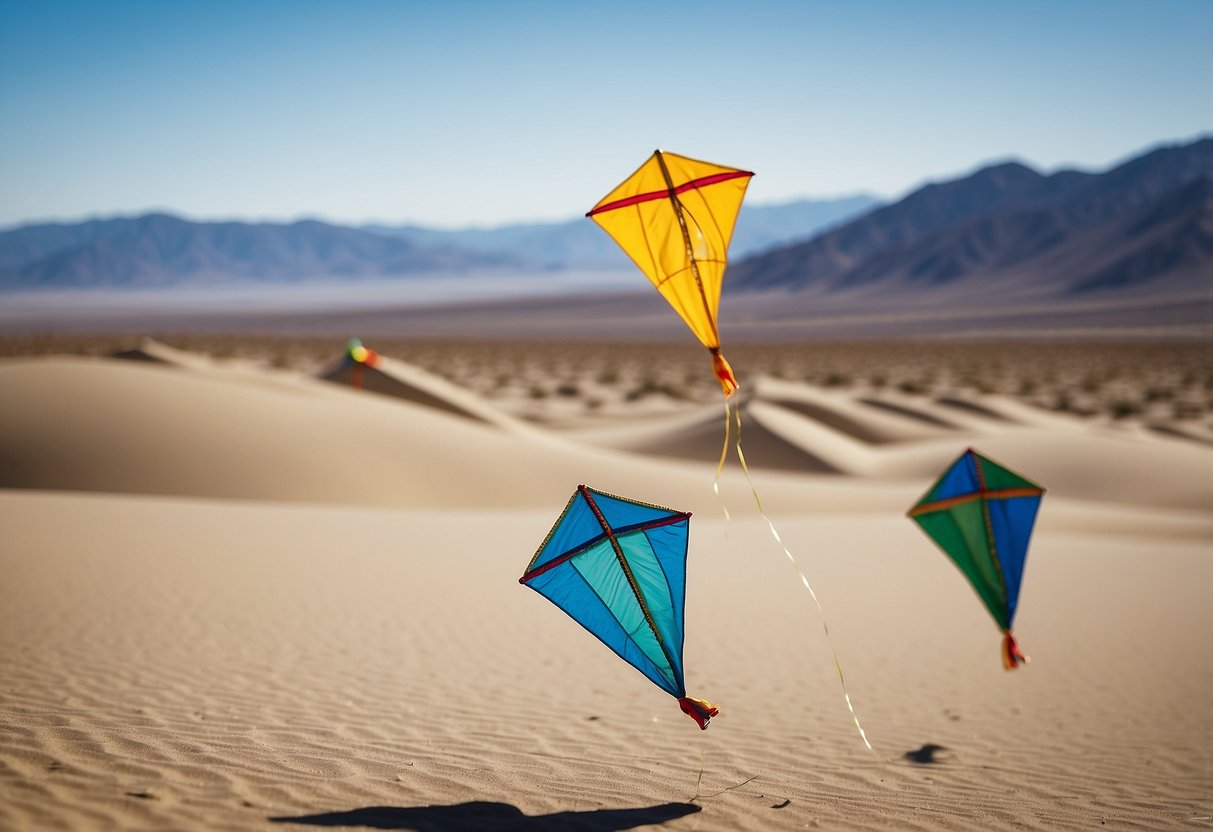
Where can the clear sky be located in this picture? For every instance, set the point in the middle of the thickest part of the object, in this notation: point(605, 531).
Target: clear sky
point(455, 112)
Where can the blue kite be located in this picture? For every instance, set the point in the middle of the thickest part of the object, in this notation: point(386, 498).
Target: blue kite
point(980, 515)
point(618, 568)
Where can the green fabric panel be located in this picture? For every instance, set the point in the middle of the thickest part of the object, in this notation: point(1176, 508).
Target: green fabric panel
point(961, 533)
point(997, 477)
point(601, 570)
point(653, 585)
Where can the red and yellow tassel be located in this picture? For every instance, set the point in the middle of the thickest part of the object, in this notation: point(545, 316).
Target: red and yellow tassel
point(699, 710)
point(1012, 656)
point(724, 373)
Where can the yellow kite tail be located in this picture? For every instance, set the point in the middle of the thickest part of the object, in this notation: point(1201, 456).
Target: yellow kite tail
point(699, 710)
point(1012, 656)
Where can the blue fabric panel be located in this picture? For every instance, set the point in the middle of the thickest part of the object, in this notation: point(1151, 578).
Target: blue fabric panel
point(620, 513)
point(1012, 521)
point(577, 524)
point(567, 588)
point(669, 545)
point(960, 479)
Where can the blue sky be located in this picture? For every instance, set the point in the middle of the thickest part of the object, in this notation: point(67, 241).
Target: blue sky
point(480, 113)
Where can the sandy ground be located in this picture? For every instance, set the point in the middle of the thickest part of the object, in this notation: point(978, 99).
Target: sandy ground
point(237, 596)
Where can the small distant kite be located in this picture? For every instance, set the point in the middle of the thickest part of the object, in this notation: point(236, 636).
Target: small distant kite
point(357, 356)
point(618, 568)
point(674, 217)
point(981, 515)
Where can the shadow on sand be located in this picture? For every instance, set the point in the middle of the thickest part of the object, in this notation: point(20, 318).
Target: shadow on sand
point(493, 817)
point(925, 756)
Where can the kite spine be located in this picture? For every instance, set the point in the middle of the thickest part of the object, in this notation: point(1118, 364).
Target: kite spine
point(627, 571)
point(686, 241)
point(985, 514)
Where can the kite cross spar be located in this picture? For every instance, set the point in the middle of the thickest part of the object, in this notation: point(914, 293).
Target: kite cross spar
point(674, 217)
point(618, 568)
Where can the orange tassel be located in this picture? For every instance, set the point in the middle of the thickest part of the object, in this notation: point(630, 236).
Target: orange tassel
point(699, 710)
point(724, 373)
point(1012, 656)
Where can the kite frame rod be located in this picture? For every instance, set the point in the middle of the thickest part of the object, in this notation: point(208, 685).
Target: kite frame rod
point(686, 241)
point(996, 494)
point(985, 513)
point(585, 547)
point(701, 182)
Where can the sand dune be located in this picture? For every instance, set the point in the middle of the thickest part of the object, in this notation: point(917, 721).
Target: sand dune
point(411, 383)
point(241, 597)
point(793, 427)
point(200, 429)
point(134, 427)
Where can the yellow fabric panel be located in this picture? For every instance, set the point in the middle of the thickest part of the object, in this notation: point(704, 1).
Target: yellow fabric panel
point(679, 241)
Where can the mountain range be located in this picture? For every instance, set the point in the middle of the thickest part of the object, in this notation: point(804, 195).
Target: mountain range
point(1009, 230)
point(159, 250)
point(1128, 249)
point(578, 244)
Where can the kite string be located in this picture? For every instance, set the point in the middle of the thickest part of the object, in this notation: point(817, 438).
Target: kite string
point(724, 455)
point(791, 559)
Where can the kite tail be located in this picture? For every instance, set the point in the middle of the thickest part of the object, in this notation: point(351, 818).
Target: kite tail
point(724, 373)
point(1012, 656)
point(356, 377)
point(699, 710)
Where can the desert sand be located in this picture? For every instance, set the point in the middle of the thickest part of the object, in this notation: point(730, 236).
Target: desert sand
point(237, 595)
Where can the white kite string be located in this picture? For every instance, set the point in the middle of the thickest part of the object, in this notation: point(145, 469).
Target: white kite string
point(787, 552)
point(724, 455)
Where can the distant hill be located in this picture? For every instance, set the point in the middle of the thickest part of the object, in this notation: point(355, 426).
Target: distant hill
point(580, 244)
point(1010, 231)
point(158, 250)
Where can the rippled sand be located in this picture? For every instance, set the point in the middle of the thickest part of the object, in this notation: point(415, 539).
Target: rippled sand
point(236, 596)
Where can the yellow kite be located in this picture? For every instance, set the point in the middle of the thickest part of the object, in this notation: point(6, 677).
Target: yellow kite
point(674, 217)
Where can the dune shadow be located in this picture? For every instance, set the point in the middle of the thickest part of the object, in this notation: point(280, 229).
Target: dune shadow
point(973, 407)
point(137, 355)
point(493, 817)
point(833, 419)
point(377, 381)
point(926, 755)
point(909, 413)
